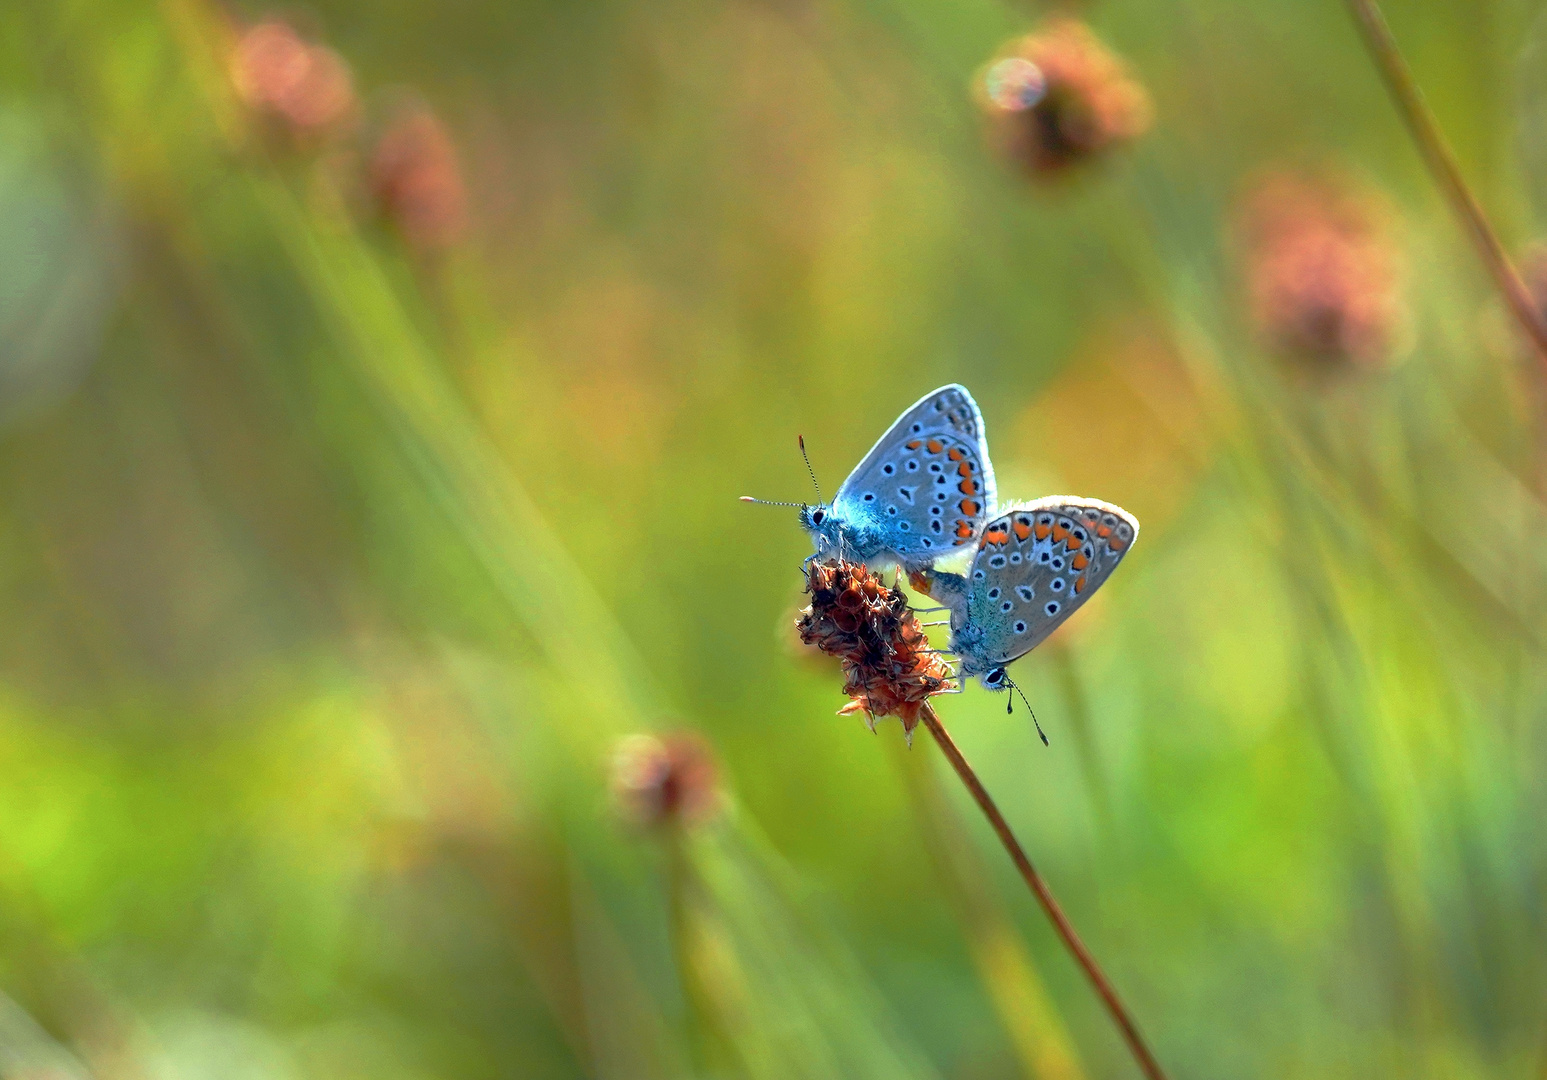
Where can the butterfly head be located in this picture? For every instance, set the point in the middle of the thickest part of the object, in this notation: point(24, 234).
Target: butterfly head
point(995, 679)
point(823, 525)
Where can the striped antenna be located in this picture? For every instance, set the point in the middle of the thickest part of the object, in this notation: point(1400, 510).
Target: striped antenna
point(801, 439)
point(1010, 707)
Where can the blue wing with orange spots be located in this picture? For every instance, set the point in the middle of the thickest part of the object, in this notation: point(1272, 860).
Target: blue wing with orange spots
point(927, 486)
point(1035, 566)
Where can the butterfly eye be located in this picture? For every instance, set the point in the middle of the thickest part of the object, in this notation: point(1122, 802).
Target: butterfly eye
point(818, 516)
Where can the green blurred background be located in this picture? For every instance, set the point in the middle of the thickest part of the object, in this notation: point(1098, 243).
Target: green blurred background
point(336, 553)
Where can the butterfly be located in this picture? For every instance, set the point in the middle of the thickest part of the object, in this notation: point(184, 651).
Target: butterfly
point(1035, 564)
point(922, 492)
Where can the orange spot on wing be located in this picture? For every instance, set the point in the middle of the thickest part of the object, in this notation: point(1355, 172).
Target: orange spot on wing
point(1103, 531)
point(955, 453)
point(1080, 562)
point(1117, 544)
point(968, 487)
point(964, 469)
point(1022, 529)
point(969, 508)
point(1059, 534)
point(963, 529)
point(996, 536)
point(1079, 583)
point(1041, 530)
point(935, 446)
point(914, 445)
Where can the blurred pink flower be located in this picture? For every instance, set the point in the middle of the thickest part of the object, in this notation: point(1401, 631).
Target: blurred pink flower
point(416, 180)
point(1322, 270)
point(279, 73)
point(1059, 96)
point(668, 780)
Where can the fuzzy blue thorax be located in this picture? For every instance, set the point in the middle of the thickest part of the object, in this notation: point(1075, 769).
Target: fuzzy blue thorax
point(834, 536)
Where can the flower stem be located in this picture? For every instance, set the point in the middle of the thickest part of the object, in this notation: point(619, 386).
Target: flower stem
point(1441, 161)
point(1044, 895)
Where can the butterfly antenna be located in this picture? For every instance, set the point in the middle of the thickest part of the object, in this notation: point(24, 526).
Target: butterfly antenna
point(801, 439)
point(1010, 708)
point(768, 502)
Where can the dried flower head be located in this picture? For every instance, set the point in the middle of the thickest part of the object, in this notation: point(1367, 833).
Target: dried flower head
point(1322, 270)
point(1059, 96)
point(281, 75)
point(416, 180)
point(667, 780)
point(889, 666)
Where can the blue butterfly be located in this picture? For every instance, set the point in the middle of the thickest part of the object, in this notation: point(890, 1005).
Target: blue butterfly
point(922, 492)
point(1035, 565)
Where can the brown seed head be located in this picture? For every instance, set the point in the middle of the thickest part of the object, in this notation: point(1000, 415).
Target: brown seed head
point(1321, 271)
point(1059, 96)
point(417, 181)
point(889, 666)
point(669, 780)
point(281, 75)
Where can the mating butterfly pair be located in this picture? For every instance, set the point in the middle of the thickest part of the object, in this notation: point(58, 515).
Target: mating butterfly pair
point(926, 490)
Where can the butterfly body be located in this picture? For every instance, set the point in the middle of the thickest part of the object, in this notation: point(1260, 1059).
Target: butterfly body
point(1035, 565)
point(922, 492)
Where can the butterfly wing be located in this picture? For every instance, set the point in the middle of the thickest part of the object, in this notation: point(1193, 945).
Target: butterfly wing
point(1036, 564)
point(927, 485)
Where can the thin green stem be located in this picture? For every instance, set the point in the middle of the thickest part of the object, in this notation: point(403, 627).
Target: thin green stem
point(1447, 173)
point(1044, 895)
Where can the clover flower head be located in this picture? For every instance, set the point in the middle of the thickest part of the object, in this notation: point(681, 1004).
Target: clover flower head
point(666, 780)
point(416, 179)
point(1322, 271)
point(277, 73)
point(1058, 96)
